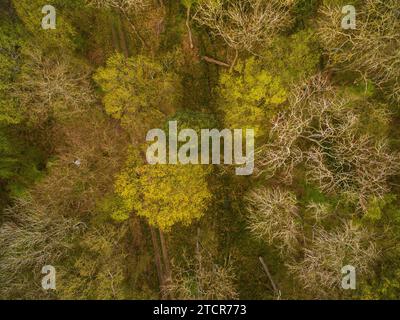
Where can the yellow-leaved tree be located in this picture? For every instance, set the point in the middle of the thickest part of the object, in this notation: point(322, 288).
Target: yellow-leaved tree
point(138, 91)
point(250, 96)
point(165, 194)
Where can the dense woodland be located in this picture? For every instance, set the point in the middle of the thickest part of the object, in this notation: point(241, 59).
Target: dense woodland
point(75, 189)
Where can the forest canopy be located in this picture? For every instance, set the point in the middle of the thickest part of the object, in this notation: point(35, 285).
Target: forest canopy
point(317, 81)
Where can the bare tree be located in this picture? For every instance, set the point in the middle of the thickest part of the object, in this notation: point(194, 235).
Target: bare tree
point(123, 5)
point(316, 255)
point(273, 216)
point(320, 269)
point(321, 131)
point(372, 48)
point(318, 211)
point(282, 152)
point(88, 152)
point(99, 271)
point(30, 238)
point(244, 24)
point(48, 87)
point(128, 9)
point(356, 166)
point(202, 279)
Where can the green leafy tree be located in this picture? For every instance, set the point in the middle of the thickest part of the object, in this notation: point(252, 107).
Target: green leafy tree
point(10, 44)
point(30, 13)
point(293, 58)
point(137, 91)
point(250, 96)
point(19, 161)
point(383, 216)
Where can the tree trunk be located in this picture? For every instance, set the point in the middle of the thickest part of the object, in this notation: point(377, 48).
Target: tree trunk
point(157, 258)
point(167, 263)
point(212, 60)
point(188, 27)
point(277, 292)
